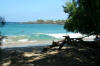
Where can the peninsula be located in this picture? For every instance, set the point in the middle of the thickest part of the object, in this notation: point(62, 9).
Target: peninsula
point(40, 21)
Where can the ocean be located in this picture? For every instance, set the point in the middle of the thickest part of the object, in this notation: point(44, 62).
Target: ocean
point(18, 33)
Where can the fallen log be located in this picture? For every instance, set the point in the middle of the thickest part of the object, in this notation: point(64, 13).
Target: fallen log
point(54, 44)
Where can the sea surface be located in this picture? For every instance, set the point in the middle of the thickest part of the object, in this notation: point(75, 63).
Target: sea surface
point(19, 33)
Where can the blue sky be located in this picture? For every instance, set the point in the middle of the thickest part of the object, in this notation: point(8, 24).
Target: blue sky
point(31, 10)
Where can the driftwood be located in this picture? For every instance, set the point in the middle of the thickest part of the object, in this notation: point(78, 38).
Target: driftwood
point(58, 43)
point(73, 42)
point(54, 44)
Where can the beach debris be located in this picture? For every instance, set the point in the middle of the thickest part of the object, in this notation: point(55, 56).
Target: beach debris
point(78, 42)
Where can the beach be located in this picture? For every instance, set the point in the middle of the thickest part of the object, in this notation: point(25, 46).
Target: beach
point(49, 33)
point(32, 56)
point(10, 42)
point(19, 35)
point(29, 53)
point(24, 42)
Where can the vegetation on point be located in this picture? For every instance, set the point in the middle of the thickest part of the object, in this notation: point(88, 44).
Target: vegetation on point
point(41, 21)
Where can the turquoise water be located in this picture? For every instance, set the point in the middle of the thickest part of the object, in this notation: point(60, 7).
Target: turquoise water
point(27, 29)
point(20, 35)
point(29, 32)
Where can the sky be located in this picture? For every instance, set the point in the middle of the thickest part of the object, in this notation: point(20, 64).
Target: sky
point(31, 10)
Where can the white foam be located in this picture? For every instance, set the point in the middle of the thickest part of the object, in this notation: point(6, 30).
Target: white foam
point(4, 41)
point(75, 35)
point(23, 40)
point(90, 38)
point(57, 35)
point(72, 35)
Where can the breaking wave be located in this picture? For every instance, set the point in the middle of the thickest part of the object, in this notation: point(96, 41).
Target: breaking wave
point(39, 37)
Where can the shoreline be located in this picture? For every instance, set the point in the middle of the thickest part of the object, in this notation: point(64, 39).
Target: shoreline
point(26, 44)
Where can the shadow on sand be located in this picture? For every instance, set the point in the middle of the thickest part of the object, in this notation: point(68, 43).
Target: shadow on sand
point(65, 57)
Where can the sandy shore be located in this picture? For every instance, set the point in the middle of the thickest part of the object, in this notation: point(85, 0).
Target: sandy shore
point(26, 44)
point(32, 56)
point(29, 54)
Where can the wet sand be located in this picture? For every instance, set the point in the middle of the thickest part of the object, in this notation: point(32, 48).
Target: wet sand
point(26, 44)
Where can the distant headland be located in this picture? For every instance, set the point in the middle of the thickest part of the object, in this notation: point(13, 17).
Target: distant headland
point(40, 21)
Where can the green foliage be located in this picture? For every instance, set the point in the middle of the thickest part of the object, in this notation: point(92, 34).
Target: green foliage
point(49, 21)
point(40, 21)
point(83, 16)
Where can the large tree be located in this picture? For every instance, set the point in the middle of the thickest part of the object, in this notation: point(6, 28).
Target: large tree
point(84, 16)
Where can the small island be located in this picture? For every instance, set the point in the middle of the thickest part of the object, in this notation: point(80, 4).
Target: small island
point(41, 21)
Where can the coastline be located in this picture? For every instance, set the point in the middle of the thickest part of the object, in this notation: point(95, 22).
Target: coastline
point(33, 23)
point(29, 54)
point(26, 44)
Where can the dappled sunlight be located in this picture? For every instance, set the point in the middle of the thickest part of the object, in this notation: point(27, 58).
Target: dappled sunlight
point(30, 54)
point(6, 63)
point(67, 56)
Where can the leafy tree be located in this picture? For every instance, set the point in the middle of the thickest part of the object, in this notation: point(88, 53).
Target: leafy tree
point(83, 16)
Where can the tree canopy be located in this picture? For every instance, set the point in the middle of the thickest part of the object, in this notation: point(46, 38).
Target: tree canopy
point(84, 16)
